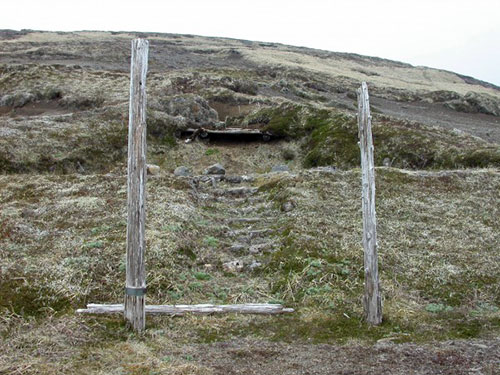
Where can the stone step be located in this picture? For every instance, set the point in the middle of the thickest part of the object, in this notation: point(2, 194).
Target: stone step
point(264, 208)
point(232, 201)
point(237, 179)
point(208, 183)
point(222, 179)
point(246, 235)
point(243, 220)
point(259, 248)
point(238, 248)
point(227, 219)
point(241, 265)
point(243, 191)
point(265, 247)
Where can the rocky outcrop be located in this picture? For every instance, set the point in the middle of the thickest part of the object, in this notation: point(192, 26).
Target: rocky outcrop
point(483, 103)
point(472, 102)
point(194, 109)
point(441, 96)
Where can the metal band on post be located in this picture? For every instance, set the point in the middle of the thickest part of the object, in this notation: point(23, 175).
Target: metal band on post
point(133, 291)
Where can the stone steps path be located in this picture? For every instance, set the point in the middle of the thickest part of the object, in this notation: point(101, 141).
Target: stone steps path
point(245, 217)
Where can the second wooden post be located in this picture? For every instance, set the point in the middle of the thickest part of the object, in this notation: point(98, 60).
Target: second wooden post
point(135, 287)
point(372, 300)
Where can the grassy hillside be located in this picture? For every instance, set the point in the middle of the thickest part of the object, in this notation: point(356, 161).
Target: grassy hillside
point(255, 235)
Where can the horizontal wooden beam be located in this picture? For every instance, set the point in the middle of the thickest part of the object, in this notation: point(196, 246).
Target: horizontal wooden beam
point(238, 131)
point(204, 309)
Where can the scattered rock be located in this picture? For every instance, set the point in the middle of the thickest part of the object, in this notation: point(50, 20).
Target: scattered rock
point(213, 181)
point(288, 206)
point(215, 169)
point(152, 169)
point(28, 212)
point(280, 168)
point(233, 179)
point(237, 248)
point(254, 265)
point(260, 248)
point(209, 179)
point(244, 220)
point(387, 162)
point(233, 266)
point(182, 171)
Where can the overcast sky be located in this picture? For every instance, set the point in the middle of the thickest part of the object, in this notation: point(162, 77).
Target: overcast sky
point(457, 35)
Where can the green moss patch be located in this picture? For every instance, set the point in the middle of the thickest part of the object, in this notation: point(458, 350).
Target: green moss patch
point(333, 141)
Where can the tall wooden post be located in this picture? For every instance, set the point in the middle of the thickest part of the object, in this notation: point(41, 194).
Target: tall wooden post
point(135, 287)
point(372, 300)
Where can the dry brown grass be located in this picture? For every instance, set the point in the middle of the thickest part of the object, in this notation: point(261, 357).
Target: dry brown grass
point(401, 77)
point(62, 239)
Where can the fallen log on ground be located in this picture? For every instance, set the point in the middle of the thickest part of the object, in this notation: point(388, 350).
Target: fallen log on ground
point(203, 309)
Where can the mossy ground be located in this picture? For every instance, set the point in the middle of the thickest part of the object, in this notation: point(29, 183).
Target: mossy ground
point(437, 246)
point(330, 138)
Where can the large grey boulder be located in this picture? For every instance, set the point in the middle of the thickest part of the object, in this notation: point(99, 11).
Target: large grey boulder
point(215, 169)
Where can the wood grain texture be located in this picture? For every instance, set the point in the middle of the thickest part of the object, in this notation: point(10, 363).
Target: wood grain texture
point(136, 186)
point(372, 299)
point(202, 309)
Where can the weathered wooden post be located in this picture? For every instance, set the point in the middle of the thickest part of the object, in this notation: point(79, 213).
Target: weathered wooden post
point(372, 300)
point(135, 287)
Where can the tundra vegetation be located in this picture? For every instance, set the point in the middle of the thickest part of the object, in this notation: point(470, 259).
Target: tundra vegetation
point(63, 145)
